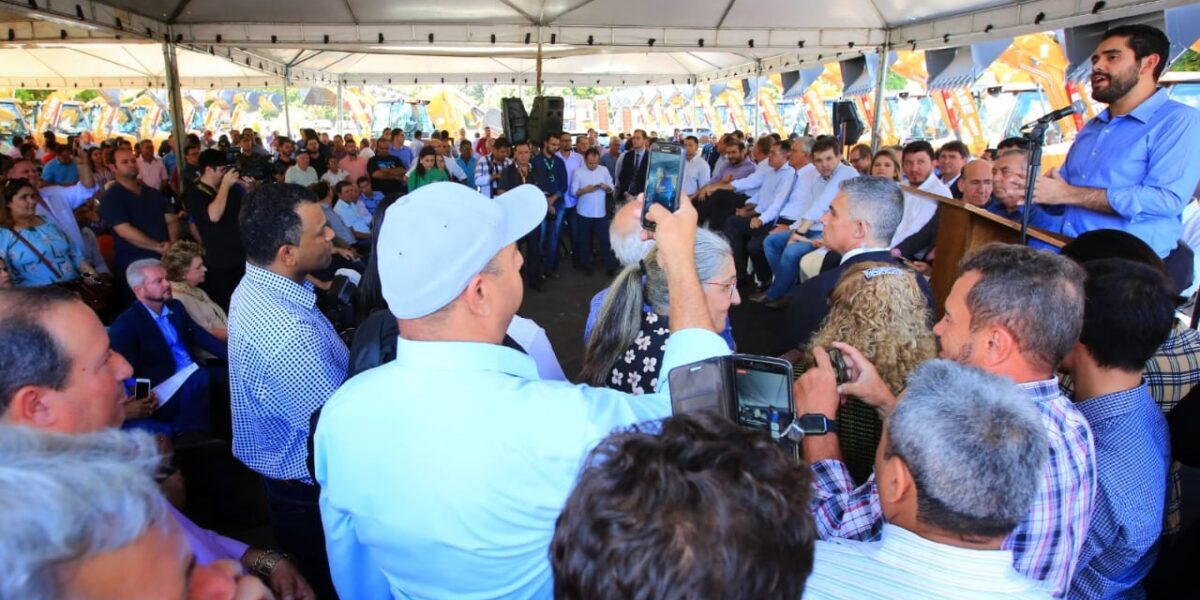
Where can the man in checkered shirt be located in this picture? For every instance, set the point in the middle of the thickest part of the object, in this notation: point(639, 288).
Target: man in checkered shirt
point(1015, 312)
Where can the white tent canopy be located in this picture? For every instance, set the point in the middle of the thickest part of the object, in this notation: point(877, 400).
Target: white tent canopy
point(586, 42)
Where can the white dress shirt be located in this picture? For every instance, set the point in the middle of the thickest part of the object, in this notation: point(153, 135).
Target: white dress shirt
point(750, 184)
point(591, 204)
point(905, 565)
point(696, 173)
point(918, 210)
point(58, 206)
point(823, 192)
point(355, 216)
point(573, 162)
point(776, 184)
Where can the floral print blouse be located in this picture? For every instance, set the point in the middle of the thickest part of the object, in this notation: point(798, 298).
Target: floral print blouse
point(636, 370)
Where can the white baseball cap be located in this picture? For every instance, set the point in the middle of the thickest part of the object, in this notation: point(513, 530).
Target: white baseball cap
point(434, 240)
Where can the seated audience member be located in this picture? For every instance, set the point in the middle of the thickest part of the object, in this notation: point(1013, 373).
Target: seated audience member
point(36, 251)
point(951, 158)
point(61, 170)
point(858, 225)
point(184, 264)
point(942, 539)
point(58, 202)
point(302, 173)
point(748, 534)
point(885, 164)
point(916, 162)
point(368, 196)
point(973, 186)
point(625, 351)
point(65, 378)
point(426, 170)
point(353, 213)
point(1128, 311)
point(5, 278)
point(334, 173)
point(454, 285)
point(83, 518)
point(287, 360)
point(87, 220)
point(591, 185)
point(154, 335)
point(1015, 312)
point(861, 159)
point(812, 193)
point(879, 309)
point(720, 198)
point(1008, 191)
point(755, 220)
point(343, 236)
point(977, 182)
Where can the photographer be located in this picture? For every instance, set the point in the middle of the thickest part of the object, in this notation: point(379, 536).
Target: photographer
point(214, 203)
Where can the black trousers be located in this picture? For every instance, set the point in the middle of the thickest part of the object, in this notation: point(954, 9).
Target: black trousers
point(718, 207)
point(742, 238)
point(220, 282)
point(589, 228)
point(1179, 266)
point(296, 525)
point(534, 266)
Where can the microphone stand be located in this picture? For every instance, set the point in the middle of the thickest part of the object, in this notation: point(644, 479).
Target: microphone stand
point(1036, 137)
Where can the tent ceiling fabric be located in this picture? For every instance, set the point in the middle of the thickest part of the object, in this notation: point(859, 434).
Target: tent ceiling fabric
point(120, 65)
point(695, 41)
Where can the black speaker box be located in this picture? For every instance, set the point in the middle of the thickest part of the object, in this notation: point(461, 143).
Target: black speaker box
point(545, 118)
point(847, 125)
point(514, 120)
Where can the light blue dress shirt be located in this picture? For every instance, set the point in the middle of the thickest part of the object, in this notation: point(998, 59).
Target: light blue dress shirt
point(180, 352)
point(1147, 163)
point(442, 473)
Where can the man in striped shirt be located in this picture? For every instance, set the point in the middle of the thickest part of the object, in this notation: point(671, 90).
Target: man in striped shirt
point(941, 539)
point(1014, 312)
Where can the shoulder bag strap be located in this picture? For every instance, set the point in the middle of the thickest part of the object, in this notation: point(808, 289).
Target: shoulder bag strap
point(41, 257)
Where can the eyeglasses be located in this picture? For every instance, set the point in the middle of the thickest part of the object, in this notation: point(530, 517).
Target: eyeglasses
point(730, 286)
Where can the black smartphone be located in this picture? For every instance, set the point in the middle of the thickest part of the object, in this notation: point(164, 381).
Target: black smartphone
point(703, 385)
point(839, 365)
point(763, 393)
point(141, 389)
point(664, 178)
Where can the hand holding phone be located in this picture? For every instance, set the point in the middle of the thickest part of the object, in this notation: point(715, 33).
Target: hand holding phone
point(141, 389)
point(664, 179)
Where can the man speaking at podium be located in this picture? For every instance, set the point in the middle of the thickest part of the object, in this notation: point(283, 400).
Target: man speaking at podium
point(1133, 167)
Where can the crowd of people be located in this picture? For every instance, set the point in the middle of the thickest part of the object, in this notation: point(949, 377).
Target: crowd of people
point(339, 318)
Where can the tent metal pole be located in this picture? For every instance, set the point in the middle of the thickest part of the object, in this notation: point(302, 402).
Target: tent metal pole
point(757, 100)
point(538, 80)
point(287, 117)
point(339, 107)
point(175, 98)
point(880, 82)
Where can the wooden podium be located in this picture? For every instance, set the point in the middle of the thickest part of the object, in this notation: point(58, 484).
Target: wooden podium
point(963, 227)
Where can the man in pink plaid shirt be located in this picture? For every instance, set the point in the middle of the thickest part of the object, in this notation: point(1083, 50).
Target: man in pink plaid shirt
point(1014, 312)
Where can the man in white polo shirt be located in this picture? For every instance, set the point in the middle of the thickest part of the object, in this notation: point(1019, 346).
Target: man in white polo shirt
point(591, 185)
point(442, 472)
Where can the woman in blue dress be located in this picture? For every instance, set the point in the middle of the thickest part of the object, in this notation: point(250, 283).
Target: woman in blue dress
point(35, 250)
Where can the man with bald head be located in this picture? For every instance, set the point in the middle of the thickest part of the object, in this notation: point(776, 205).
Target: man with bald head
point(976, 182)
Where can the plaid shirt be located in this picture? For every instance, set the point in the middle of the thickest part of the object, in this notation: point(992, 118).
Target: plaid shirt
point(1133, 453)
point(1045, 546)
point(1170, 374)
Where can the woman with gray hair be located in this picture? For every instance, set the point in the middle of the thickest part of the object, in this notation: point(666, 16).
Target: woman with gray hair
point(626, 346)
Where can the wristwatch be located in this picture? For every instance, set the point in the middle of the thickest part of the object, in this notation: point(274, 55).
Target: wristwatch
point(809, 424)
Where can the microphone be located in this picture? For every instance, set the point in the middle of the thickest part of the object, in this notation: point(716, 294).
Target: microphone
point(1062, 113)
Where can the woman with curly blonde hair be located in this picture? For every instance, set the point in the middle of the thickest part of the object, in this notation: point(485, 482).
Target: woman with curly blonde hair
point(879, 309)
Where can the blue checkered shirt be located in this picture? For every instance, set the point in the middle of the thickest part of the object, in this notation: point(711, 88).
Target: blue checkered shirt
point(1045, 546)
point(1133, 454)
point(285, 361)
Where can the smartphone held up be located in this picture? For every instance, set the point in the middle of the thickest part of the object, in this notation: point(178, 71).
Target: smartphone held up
point(664, 179)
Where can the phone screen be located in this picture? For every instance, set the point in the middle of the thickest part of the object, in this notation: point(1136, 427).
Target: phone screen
point(763, 396)
point(141, 388)
point(664, 178)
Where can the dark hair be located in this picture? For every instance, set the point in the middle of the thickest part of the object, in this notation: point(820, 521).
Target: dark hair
point(211, 159)
point(28, 351)
point(1144, 40)
point(784, 146)
point(764, 144)
point(321, 189)
point(824, 145)
point(552, 134)
point(955, 146)
point(341, 185)
point(703, 509)
point(1036, 296)
point(268, 220)
point(591, 151)
point(425, 151)
point(918, 147)
point(363, 179)
point(11, 187)
point(1128, 312)
point(1099, 244)
point(500, 142)
point(692, 138)
point(1012, 142)
point(862, 150)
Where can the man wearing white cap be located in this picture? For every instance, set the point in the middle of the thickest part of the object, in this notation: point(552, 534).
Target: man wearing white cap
point(442, 472)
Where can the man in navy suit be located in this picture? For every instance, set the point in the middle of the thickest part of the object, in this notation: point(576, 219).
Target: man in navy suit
point(859, 226)
point(631, 179)
point(154, 334)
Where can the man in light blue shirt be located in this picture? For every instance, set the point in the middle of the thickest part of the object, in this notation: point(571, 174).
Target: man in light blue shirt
point(442, 473)
point(754, 221)
point(1134, 166)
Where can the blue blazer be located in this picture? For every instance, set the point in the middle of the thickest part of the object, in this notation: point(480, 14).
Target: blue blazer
point(136, 336)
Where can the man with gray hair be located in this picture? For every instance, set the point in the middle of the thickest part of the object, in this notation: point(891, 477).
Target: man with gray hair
point(83, 518)
point(1014, 312)
point(942, 539)
point(858, 225)
point(156, 335)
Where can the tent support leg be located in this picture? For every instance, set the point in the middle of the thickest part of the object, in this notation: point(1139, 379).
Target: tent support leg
point(287, 118)
point(175, 100)
point(338, 128)
point(880, 82)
